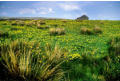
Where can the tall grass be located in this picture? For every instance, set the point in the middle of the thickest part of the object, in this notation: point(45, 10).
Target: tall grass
point(16, 58)
point(20, 60)
point(112, 68)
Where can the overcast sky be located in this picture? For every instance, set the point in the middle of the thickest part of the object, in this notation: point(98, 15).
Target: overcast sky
point(61, 9)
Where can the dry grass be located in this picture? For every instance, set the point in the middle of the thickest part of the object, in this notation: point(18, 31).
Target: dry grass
point(97, 30)
point(49, 67)
point(42, 26)
point(30, 24)
point(86, 31)
point(21, 23)
point(64, 21)
point(18, 57)
point(57, 31)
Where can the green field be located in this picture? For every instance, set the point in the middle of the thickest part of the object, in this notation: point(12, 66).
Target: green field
point(87, 52)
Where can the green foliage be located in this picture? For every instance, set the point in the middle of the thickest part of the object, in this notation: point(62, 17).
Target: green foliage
point(112, 64)
point(91, 58)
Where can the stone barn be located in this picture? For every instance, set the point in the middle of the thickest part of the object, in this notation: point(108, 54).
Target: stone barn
point(83, 17)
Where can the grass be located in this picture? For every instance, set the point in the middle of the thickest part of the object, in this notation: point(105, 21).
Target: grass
point(3, 34)
point(56, 31)
point(86, 31)
point(97, 30)
point(21, 60)
point(91, 57)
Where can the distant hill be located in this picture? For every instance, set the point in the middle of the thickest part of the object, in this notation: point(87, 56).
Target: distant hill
point(25, 18)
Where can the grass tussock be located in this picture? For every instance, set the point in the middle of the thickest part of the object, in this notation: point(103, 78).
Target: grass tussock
point(64, 21)
point(5, 23)
point(23, 60)
point(4, 34)
point(14, 23)
point(42, 26)
point(97, 30)
point(115, 46)
point(86, 31)
point(21, 23)
point(42, 22)
point(111, 69)
point(57, 31)
point(30, 24)
point(16, 58)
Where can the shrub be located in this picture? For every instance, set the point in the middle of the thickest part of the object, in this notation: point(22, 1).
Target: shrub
point(86, 31)
point(21, 60)
point(57, 31)
point(97, 30)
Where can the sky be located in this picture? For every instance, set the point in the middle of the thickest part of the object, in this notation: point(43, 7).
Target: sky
point(102, 10)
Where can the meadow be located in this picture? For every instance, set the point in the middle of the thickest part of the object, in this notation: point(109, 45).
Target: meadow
point(65, 50)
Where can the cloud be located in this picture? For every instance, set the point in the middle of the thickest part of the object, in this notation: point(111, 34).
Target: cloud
point(50, 10)
point(27, 11)
point(41, 10)
point(70, 7)
point(44, 10)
